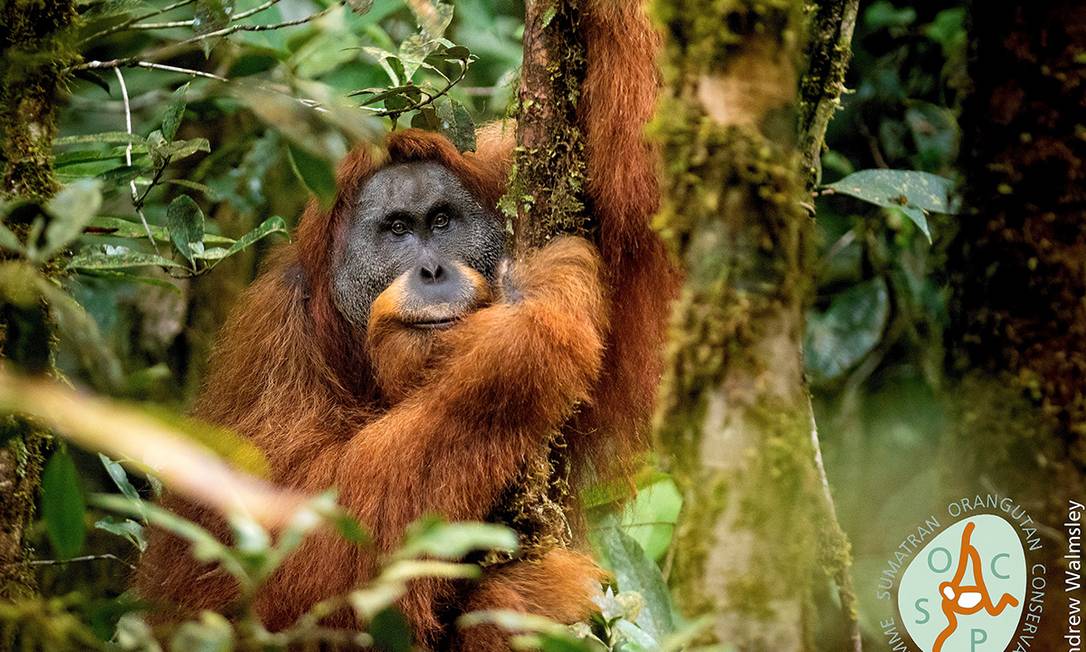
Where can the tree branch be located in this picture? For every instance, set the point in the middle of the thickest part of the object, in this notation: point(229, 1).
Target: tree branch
point(829, 50)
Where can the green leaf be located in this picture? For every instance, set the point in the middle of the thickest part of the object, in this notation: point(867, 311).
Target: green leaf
point(210, 633)
point(650, 517)
point(119, 227)
point(457, 125)
point(211, 16)
point(119, 476)
point(9, 242)
point(110, 257)
point(185, 223)
point(62, 505)
point(847, 331)
point(914, 193)
point(635, 572)
point(174, 112)
point(434, 538)
point(205, 546)
point(111, 137)
point(127, 529)
point(314, 172)
point(267, 227)
point(360, 6)
point(80, 332)
point(390, 631)
point(71, 209)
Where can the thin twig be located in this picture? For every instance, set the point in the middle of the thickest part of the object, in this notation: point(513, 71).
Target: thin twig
point(116, 64)
point(255, 10)
point(167, 25)
point(128, 159)
point(125, 24)
point(57, 562)
point(232, 29)
point(141, 60)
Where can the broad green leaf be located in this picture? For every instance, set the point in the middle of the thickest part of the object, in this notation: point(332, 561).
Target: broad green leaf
point(390, 631)
point(75, 157)
point(70, 210)
point(635, 572)
point(119, 476)
point(120, 227)
point(914, 193)
point(268, 227)
point(454, 540)
point(81, 333)
point(457, 125)
point(110, 257)
point(125, 528)
point(109, 137)
point(185, 223)
point(847, 331)
point(62, 505)
point(205, 546)
point(650, 517)
point(174, 112)
point(315, 172)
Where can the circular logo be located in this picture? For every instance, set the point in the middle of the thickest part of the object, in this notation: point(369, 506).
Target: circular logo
point(965, 589)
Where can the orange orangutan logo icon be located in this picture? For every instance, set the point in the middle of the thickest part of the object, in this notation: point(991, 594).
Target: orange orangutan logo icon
point(964, 600)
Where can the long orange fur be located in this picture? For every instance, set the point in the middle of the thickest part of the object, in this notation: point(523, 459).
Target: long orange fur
point(292, 375)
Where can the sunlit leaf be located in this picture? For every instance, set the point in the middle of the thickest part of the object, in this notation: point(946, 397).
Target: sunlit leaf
point(62, 505)
point(454, 540)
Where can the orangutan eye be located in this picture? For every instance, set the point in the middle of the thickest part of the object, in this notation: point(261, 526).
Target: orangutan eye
point(399, 227)
point(441, 220)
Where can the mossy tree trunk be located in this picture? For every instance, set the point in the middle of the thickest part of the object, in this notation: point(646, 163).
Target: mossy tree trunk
point(734, 417)
point(33, 55)
point(548, 182)
point(546, 198)
point(1017, 340)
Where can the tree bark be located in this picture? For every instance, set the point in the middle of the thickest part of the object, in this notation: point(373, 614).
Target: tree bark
point(33, 55)
point(549, 180)
point(734, 416)
point(1017, 269)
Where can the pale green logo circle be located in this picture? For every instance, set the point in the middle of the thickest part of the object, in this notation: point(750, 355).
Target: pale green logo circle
point(964, 591)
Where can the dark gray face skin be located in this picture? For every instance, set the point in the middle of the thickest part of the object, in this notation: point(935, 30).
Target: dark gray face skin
point(415, 220)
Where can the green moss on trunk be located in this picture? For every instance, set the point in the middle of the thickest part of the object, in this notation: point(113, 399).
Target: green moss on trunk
point(733, 416)
point(34, 53)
